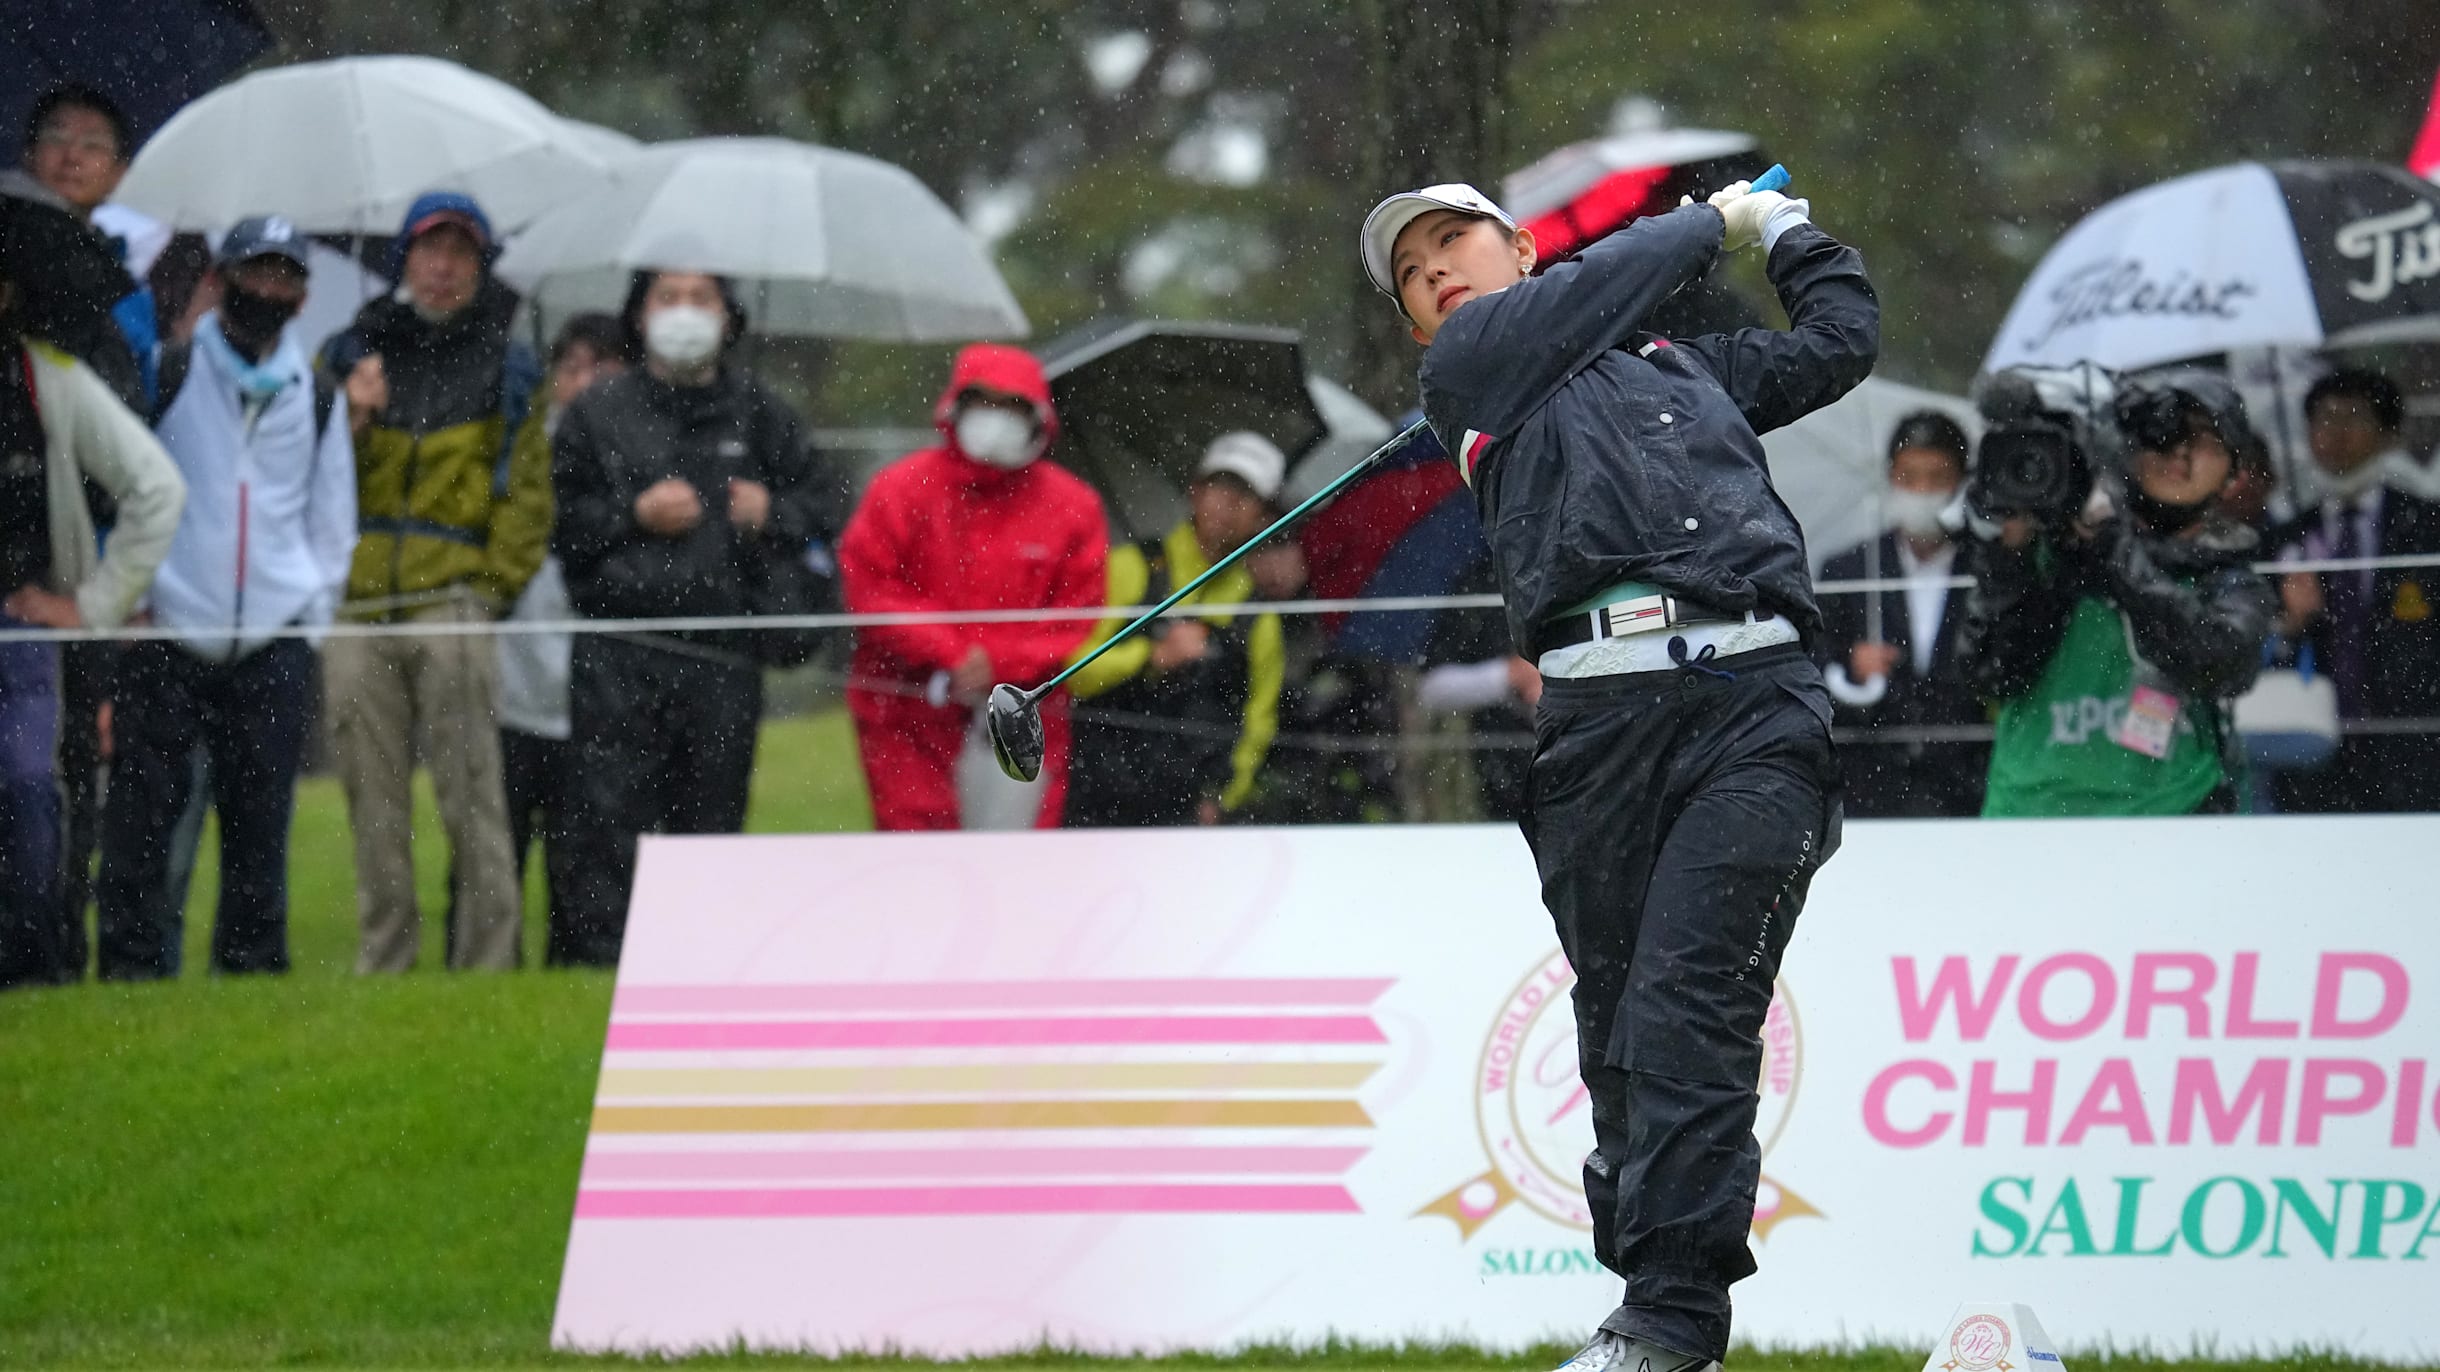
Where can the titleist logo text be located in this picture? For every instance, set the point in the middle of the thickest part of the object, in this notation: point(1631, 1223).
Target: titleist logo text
point(2119, 287)
point(2404, 247)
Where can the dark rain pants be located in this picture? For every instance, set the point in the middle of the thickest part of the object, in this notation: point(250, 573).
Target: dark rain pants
point(664, 740)
point(1677, 819)
point(30, 933)
point(251, 717)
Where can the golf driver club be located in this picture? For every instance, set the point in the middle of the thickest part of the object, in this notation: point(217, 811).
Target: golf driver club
point(1014, 717)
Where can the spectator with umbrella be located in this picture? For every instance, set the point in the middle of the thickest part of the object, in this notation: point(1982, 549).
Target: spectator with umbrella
point(678, 483)
point(76, 293)
point(452, 524)
point(60, 427)
point(538, 761)
point(77, 143)
point(1180, 719)
point(271, 524)
point(2372, 630)
point(1889, 656)
point(980, 522)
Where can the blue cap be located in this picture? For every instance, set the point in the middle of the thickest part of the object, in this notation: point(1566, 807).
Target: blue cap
point(264, 235)
point(430, 211)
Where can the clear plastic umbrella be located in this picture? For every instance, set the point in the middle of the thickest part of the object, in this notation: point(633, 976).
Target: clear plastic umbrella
point(344, 146)
point(821, 243)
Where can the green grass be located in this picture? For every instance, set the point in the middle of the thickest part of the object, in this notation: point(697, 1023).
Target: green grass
point(806, 780)
point(318, 1170)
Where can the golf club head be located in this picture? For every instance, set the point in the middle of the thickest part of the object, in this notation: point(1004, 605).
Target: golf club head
point(1015, 724)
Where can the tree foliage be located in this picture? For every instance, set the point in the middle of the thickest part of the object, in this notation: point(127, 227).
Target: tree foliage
point(1952, 141)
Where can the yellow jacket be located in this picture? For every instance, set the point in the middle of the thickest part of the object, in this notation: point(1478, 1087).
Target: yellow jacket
point(442, 497)
point(1179, 559)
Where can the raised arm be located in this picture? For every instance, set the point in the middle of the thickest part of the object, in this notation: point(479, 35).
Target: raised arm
point(1500, 356)
point(1833, 335)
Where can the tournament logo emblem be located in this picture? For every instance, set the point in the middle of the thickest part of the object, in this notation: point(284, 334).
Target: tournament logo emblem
point(1979, 1344)
point(1534, 1117)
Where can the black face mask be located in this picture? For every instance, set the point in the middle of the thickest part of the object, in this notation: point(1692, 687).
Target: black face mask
point(253, 320)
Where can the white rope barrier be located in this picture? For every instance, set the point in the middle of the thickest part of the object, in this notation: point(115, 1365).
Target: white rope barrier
point(366, 628)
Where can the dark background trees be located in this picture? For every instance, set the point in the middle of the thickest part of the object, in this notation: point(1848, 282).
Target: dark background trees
point(1195, 158)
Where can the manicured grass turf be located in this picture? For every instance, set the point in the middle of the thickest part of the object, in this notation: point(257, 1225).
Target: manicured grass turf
point(316, 1166)
point(321, 1171)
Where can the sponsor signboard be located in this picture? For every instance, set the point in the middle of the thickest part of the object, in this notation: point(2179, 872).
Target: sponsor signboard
point(2164, 1081)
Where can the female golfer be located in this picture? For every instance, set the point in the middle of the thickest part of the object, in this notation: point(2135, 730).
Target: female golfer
point(1683, 789)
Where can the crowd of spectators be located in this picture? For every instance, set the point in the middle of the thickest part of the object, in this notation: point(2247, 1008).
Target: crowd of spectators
point(426, 476)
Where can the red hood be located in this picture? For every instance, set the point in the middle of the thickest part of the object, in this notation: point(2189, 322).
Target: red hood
point(996, 367)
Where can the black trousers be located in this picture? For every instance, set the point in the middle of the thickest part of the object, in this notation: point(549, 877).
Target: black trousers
point(540, 777)
point(88, 673)
point(251, 718)
point(664, 744)
point(1677, 820)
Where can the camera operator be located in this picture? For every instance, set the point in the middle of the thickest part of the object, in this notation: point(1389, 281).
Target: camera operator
point(2110, 639)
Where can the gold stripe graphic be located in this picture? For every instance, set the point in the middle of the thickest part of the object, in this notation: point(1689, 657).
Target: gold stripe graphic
point(985, 1114)
point(943, 1078)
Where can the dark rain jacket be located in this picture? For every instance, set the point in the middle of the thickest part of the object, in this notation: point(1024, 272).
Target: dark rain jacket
point(1601, 453)
point(628, 432)
point(2195, 608)
point(441, 497)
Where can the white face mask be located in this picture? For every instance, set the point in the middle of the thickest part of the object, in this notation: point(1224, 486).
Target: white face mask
point(684, 336)
point(1915, 513)
point(995, 437)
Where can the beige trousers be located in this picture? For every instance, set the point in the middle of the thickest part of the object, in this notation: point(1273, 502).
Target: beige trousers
point(435, 696)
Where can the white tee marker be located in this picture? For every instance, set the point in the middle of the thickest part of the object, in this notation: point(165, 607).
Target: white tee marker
point(1990, 1336)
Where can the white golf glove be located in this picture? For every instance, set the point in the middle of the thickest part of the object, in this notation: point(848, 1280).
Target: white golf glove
point(1756, 216)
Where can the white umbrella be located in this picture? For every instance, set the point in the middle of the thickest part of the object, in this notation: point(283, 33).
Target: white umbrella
point(345, 146)
point(1831, 466)
point(1353, 429)
point(144, 235)
point(821, 243)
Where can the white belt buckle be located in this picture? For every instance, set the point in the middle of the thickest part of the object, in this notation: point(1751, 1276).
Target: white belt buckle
point(1641, 615)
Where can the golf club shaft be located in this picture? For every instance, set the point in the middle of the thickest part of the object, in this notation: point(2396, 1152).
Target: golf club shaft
point(1337, 484)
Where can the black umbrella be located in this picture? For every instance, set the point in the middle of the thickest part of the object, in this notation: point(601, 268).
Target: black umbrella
point(1139, 402)
point(150, 57)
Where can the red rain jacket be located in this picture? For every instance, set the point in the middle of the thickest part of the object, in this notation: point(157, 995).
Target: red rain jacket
point(938, 530)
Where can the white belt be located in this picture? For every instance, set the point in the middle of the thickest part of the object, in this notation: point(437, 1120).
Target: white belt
point(1649, 652)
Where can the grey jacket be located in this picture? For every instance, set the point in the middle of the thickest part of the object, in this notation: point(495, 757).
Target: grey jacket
point(1601, 453)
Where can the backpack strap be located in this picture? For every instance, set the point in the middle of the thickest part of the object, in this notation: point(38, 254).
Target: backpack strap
point(520, 378)
point(176, 360)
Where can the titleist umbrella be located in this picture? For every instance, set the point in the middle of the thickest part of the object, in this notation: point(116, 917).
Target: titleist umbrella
point(2253, 255)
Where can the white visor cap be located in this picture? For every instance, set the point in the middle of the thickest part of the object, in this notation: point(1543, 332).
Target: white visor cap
point(1390, 218)
point(1249, 457)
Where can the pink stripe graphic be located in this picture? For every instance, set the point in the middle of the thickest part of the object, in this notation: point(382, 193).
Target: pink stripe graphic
point(966, 1201)
point(1201, 993)
point(994, 1033)
point(872, 1164)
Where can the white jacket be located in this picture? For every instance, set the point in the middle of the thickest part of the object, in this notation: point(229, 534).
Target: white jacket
point(88, 433)
point(270, 509)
